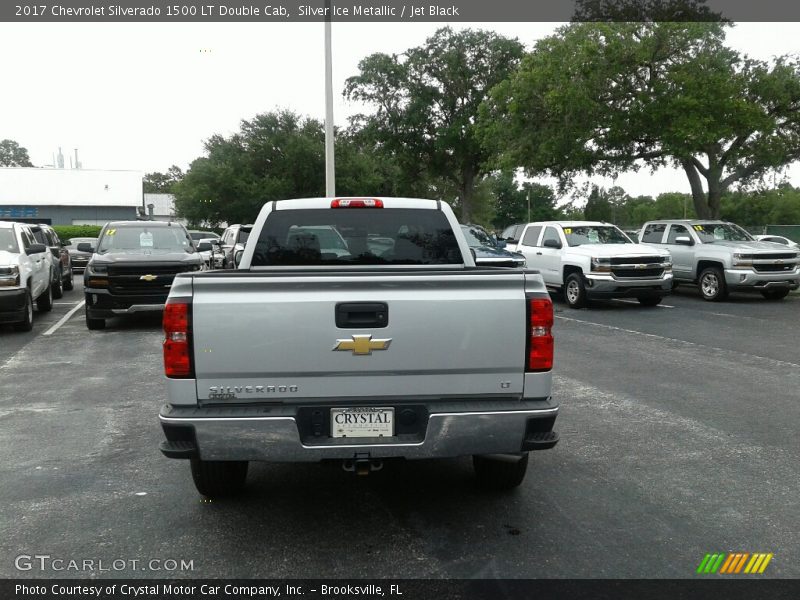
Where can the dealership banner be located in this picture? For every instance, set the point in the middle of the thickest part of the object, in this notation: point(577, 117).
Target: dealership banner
point(399, 589)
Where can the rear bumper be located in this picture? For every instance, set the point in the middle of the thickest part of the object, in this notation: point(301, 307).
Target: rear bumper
point(12, 305)
point(608, 286)
point(744, 279)
point(246, 433)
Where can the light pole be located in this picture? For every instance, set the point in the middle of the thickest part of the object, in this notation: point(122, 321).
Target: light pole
point(330, 171)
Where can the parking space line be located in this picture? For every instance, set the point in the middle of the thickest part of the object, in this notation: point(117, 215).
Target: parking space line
point(637, 302)
point(683, 342)
point(65, 318)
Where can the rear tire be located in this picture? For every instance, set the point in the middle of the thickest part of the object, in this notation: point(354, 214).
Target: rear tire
point(713, 287)
point(499, 472)
point(69, 282)
point(575, 291)
point(650, 300)
point(45, 302)
point(27, 324)
point(219, 478)
point(93, 324)
point(58, 287)
point(775, 294)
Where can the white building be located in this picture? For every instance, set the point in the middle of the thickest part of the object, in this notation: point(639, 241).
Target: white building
point(70, 196)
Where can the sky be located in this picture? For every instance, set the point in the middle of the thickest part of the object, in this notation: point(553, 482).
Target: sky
point(144, 96)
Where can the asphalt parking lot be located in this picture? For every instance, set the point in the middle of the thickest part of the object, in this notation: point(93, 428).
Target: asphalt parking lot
point(679, 430)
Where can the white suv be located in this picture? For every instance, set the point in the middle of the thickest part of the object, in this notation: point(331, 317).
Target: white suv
point(25, 275)
point(590, 259)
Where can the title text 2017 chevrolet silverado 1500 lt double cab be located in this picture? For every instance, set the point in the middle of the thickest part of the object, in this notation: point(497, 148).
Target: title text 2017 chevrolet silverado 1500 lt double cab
point(400, 348)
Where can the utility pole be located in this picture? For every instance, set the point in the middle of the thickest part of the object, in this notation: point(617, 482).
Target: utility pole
point(330, 171)
point(529, 206)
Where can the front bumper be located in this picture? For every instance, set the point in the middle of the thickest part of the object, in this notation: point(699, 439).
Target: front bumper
point(749, 279)
point(274, 433)
point(608, 286)
point(12, 305)
point(101, 304)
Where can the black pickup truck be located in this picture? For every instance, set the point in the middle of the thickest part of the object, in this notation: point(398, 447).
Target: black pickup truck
point(132, 268)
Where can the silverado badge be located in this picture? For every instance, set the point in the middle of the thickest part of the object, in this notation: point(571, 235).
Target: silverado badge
point(362, 344)
point(148, 277)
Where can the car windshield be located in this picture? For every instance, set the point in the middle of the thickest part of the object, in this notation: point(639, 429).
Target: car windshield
point(595, 234)
point(391, 236)
point(243, 235)
point(145, 238)
point(476, 237)
point(8, 241)
point(713, 232)
point(201, 235)
point(72, 244)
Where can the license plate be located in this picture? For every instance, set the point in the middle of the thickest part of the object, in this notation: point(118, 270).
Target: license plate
point(364, 421)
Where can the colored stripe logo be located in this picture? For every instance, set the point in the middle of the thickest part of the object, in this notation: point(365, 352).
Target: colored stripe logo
point(734, 563)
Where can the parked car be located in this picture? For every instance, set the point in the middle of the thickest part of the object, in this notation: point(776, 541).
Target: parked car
point(512, 235)
point(233, 240)
point(362, 358)
point(79, 259)
point(721, 257)
point(778, 239)
point(197, 235)
point(25, 275)
point(211, 251)
point(62, 264)
point(132, 268)
point(488, 251)
point(590, 259)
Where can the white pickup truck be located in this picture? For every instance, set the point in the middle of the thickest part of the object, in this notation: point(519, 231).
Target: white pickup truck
point(25, 275)
point(389, 344)
point(590, 259)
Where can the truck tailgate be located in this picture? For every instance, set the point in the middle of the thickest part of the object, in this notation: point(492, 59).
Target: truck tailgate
point(271, 336)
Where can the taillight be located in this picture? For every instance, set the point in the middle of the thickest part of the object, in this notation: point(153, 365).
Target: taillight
point(540, 337)
point(177, 324)
point(357, 203)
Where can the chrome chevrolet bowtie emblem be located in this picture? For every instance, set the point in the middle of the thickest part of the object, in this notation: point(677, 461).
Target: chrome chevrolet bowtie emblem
point(362, 344)
point(148, 277)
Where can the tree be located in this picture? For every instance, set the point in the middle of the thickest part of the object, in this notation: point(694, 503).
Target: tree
point(597, 208)
point(612, 97)
point(162, 183)
point(13, 155)
point(511, 200)
point(426, 105)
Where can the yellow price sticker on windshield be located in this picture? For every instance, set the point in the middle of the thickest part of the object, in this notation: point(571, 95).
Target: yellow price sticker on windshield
point(111, 232)
point(698, 228)
point(568, 230)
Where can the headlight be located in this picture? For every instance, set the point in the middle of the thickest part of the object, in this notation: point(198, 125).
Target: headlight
point(666, 261)
point(9, 276)
point(195, 267)
point(601, 265)
point(742, 260)
point(97, 269)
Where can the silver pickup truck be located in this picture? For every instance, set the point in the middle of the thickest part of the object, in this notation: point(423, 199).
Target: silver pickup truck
point(721, 257)
point(357, 330)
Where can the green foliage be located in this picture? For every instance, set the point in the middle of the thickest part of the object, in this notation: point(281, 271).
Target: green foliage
point(426, 105)
point(13, 155)
point(612, 97)
point(162, 183)
point(511, 200)
point(780, 206)
point(66, 232)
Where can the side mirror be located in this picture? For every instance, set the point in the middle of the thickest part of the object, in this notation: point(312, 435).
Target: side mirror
point(85, 247)
point(204, 247)
point(552, 244)
point(501, 244)
point(237, 258)
point(684, 240)
point(35, 249)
